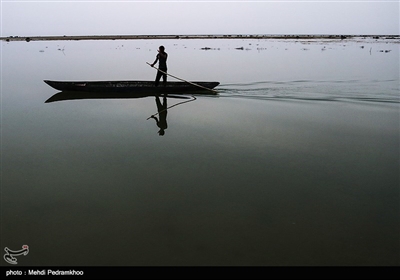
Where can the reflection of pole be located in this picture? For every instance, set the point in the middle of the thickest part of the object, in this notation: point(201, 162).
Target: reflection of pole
point(183, 79)
point(180, 103)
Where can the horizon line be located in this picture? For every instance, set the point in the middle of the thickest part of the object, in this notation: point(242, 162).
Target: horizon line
point(193, 36)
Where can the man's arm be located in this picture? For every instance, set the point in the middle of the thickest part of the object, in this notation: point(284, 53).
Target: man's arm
point(155, 61)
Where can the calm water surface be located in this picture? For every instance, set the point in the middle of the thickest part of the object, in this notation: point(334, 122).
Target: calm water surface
point(295, 162)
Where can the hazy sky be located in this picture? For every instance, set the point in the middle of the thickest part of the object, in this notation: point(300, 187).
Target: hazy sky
point(57, 17)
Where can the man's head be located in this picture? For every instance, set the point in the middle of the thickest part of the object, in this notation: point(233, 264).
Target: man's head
point(161, 48)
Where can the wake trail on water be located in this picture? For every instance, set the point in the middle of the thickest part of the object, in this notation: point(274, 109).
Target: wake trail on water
point(385, 90)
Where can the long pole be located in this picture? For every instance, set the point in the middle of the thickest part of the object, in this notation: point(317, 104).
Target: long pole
point(183, 79)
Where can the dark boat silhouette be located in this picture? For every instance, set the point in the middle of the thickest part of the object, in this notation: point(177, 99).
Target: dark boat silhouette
point(133, 88)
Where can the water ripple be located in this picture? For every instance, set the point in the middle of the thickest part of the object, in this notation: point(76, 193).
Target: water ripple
point(385, 90)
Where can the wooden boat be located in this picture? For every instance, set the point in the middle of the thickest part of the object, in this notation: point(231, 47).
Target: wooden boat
point(133, 88)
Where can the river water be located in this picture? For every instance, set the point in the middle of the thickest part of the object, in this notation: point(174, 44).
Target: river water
point(295, 162)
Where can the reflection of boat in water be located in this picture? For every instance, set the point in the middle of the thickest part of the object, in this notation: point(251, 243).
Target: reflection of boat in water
point(129, 90)
point(75, 95)
point(132, 88)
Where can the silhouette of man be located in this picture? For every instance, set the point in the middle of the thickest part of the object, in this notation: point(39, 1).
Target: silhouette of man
point(162, 65)
point(162, 112)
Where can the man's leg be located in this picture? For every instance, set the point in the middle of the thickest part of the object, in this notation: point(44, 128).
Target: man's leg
point(164, 76)
point(158, 77)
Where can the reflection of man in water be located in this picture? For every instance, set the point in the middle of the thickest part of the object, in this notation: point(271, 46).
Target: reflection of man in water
point(162, 65)
point(162, 112)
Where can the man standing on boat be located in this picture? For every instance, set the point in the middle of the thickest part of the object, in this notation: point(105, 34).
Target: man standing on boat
point(162, 65)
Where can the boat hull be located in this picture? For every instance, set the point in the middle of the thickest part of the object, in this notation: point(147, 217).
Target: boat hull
point(132, 87)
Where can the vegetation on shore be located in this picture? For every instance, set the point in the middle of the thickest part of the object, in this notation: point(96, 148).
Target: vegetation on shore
point(164, 37)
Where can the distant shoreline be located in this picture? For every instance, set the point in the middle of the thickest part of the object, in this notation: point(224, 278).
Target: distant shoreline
point(168, 37)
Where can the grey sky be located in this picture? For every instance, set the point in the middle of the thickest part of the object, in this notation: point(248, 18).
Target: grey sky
point(28, 18)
